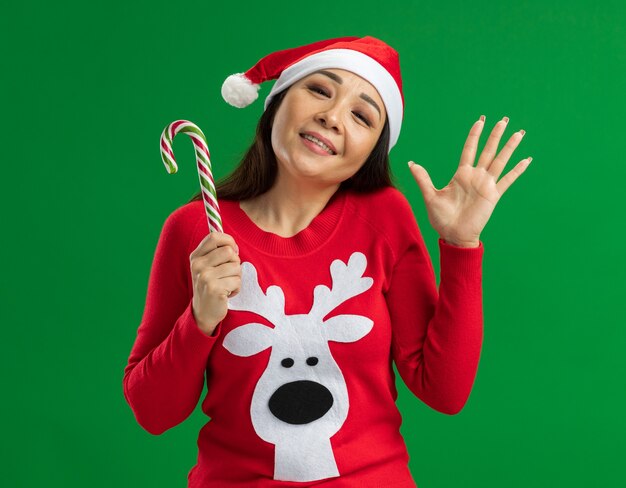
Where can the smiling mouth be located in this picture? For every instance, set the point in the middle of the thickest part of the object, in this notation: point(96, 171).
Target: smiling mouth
point(319, 144)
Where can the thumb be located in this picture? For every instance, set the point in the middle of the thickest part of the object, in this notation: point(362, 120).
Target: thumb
point(422, 179)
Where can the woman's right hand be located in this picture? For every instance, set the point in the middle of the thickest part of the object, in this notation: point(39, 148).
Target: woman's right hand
point(215, 271)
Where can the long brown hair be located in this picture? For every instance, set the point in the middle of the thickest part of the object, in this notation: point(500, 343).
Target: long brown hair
point(257, 170)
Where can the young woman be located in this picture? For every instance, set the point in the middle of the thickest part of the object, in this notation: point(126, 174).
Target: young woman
point(319, 283)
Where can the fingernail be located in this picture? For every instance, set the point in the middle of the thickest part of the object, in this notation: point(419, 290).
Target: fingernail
point(482, 118)
point(522, 132)
point(506, 120)
point(530, 160)
point(411, 163)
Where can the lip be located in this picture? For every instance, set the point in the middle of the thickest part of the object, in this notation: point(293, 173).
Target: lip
point(323, 139)
point(315, 148)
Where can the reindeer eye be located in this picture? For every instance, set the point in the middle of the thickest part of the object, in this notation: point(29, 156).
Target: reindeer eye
point(287, 362)
point(312, 361)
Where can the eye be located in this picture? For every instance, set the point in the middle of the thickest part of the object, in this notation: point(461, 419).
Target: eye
point(318, 90)
point(363, 118)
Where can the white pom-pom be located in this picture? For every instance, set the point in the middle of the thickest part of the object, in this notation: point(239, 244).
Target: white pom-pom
point(239, 91)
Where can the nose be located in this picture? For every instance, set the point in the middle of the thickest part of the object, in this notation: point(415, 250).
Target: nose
point(300, 402)
point(330, 118)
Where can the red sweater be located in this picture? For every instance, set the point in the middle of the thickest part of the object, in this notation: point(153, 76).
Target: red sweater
point(301, 388)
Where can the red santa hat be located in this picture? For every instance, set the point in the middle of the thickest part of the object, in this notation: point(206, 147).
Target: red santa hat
point(368, 57)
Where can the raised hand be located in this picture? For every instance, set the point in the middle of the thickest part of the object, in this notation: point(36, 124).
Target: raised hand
point(460, 211)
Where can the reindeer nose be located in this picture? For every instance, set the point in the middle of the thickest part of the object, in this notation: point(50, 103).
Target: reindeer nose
point(300, 402)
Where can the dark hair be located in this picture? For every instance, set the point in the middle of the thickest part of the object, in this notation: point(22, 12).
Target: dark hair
point(257, 170)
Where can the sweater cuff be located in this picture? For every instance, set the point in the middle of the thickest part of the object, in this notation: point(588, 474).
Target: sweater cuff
point(464, 261)
point(191, 335)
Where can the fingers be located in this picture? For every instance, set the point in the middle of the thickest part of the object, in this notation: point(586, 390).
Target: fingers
point(507, 180)
point(224, 277)
point(229, 275)
point(231, 284)
point(227, 269)
point(215, 258)
point(212, 241)
point(489, 151)
point(423, 180)
point(468, 155)
point(498, 164)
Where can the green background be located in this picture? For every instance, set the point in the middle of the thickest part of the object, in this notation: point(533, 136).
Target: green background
point(87, 88)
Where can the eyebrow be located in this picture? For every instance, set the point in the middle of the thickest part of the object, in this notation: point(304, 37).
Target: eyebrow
point(339, 80)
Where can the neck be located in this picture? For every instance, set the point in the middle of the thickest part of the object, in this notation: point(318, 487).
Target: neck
point(287, 208)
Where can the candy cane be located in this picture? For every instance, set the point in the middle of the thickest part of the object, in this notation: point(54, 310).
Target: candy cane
point(209, 195)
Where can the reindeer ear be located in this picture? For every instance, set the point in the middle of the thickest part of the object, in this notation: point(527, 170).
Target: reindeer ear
point(249, 339)
point(347, 328)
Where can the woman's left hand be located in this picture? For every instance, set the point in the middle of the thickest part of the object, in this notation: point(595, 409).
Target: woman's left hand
point(460, 211)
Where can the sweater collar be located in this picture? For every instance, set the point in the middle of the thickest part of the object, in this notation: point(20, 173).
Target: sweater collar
point(309, 239)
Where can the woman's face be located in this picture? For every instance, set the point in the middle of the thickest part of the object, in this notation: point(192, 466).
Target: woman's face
point(338, 106)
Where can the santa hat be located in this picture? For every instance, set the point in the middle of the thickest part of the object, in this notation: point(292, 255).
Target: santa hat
point(368, 57)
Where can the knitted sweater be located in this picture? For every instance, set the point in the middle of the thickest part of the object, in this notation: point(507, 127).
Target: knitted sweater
point(301, 388)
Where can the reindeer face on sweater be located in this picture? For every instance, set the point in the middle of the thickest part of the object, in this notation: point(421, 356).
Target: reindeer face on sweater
point(301, 399)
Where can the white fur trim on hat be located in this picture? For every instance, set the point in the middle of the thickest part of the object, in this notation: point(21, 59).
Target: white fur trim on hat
point(239, 91)
point(358, 63)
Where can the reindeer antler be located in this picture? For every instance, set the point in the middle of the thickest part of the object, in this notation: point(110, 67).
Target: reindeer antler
point(348, 282)
point(252, 299)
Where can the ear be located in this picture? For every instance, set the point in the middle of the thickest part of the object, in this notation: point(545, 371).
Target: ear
point(249, 339)
point(347, 328)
